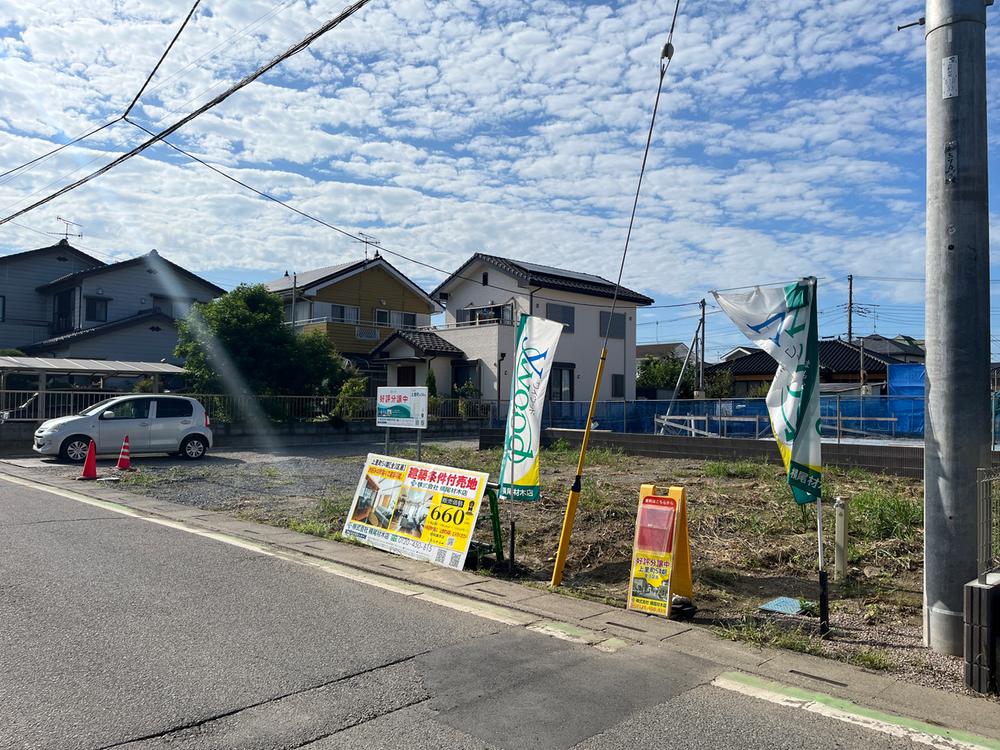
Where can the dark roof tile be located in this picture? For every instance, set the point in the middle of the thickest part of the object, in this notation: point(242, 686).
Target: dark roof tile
point(836, 357)
point(549, 277)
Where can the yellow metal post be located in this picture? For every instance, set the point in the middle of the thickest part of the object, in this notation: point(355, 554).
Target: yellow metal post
point(574, 492)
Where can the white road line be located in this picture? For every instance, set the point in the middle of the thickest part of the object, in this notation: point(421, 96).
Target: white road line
point(494, 612)
point(903, 728)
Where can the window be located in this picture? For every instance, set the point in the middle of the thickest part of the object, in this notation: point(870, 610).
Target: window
point(382, 317)
point(97, 309)
point(617, 386)
point(136, 408)
point(563, 314)
point(344, 313)
point(561, 381)
point(617, 325)
point(403, 319)
point(173, 408)
point(486, 279)
point(3, 308)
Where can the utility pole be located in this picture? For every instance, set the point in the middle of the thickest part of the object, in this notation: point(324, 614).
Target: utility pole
point(701, 358)
point(957, 437)
point(850, 308)
point(295, 279)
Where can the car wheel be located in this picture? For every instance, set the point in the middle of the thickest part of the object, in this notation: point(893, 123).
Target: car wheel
point(194, 447)
point(74, 449)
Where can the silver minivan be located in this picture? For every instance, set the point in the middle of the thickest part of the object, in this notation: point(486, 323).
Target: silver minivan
point(154, 423)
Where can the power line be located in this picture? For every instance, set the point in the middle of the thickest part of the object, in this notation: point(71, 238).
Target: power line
point(242, 83)
point(56, 150)
point(159, 62)
point(224, 43)
point(358, 238)
point(83, 136)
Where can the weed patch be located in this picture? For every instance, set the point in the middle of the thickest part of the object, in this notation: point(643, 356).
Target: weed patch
point(871, 658)
point(314, 528)
point(764, 633)
point(737, 470)
point(880, 513)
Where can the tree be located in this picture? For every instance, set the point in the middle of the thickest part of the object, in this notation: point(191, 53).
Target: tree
point(660, 373)
point(431, 383)
point(240, 343)
point(12, 353)
point(719, 384)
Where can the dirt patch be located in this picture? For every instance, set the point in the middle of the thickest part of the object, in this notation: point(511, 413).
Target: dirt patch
point(750, 542)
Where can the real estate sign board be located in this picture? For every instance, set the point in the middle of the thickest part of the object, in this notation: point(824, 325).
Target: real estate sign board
point(422, 511)
point(661, 558)
point(402, 407)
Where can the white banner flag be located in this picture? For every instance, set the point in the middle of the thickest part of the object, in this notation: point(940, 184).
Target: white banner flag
point(536, 348)
point(782, 322)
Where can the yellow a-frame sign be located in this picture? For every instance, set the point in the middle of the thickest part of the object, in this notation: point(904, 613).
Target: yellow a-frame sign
point(661, 551)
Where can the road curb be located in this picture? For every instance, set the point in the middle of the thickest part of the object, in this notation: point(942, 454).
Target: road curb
point(557, 615)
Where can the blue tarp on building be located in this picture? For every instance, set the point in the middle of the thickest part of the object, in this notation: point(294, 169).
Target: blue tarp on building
point(906, 380)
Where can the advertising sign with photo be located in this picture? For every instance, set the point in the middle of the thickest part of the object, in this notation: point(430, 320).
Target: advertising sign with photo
point(661, 557)
point(402, 407)
point(422, 511)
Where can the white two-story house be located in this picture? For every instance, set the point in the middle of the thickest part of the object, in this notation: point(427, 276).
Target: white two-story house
point(59, 301)
point(483, 302)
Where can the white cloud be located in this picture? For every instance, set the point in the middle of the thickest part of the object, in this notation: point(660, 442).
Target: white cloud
point(789, 139)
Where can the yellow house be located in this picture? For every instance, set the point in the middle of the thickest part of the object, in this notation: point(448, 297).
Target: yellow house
point(357, 305)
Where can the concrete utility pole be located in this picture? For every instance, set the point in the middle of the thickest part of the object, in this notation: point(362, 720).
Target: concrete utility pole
point(957, 438)
point(850, 308)
point(701, 354)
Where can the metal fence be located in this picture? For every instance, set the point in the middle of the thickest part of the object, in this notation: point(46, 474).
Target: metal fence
point(842, 417)
point(988, 522)
point(33, 406)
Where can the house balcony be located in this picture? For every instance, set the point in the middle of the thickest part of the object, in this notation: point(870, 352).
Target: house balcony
point(349, 336)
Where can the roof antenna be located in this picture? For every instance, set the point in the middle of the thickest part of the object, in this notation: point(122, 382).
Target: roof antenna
point(369, 240)
point(66, 234)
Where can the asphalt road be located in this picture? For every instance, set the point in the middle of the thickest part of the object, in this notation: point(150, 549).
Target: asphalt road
point(118, 632)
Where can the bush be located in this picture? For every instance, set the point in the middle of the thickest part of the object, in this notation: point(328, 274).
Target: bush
point(467, 394)
point(350, 403)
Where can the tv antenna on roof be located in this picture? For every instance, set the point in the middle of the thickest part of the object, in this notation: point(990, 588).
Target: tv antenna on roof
point(66, 234)
point(369, 240)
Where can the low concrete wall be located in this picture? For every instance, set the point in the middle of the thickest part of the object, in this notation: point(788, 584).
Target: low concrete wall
point(16, 437)
point(902, 460)
point(243, 435)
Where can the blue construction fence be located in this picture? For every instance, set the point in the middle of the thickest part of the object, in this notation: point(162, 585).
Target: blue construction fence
point(842, 416)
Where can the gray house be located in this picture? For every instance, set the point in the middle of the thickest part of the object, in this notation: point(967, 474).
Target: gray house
point(58, 301)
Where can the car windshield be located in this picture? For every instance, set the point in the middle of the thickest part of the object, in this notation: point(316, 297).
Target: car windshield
point(96, 408)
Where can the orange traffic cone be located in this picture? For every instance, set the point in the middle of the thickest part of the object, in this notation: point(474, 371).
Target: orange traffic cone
point(90, 464)
point(124, 461)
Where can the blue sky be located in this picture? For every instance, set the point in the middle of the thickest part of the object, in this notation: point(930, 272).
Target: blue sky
point(789, 142)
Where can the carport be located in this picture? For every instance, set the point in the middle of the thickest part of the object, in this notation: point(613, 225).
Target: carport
point(28, 405)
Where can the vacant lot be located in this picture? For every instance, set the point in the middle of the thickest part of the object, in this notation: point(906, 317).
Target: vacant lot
point(749, 540)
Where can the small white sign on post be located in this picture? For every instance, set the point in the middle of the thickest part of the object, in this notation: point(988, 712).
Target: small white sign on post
point(402, 407)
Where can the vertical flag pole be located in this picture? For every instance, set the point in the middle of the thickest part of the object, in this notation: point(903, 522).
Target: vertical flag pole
point(666, 55)
point(824, 585)
point(574, 492)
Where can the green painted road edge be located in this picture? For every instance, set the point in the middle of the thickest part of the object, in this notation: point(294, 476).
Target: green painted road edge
point(849, 707)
